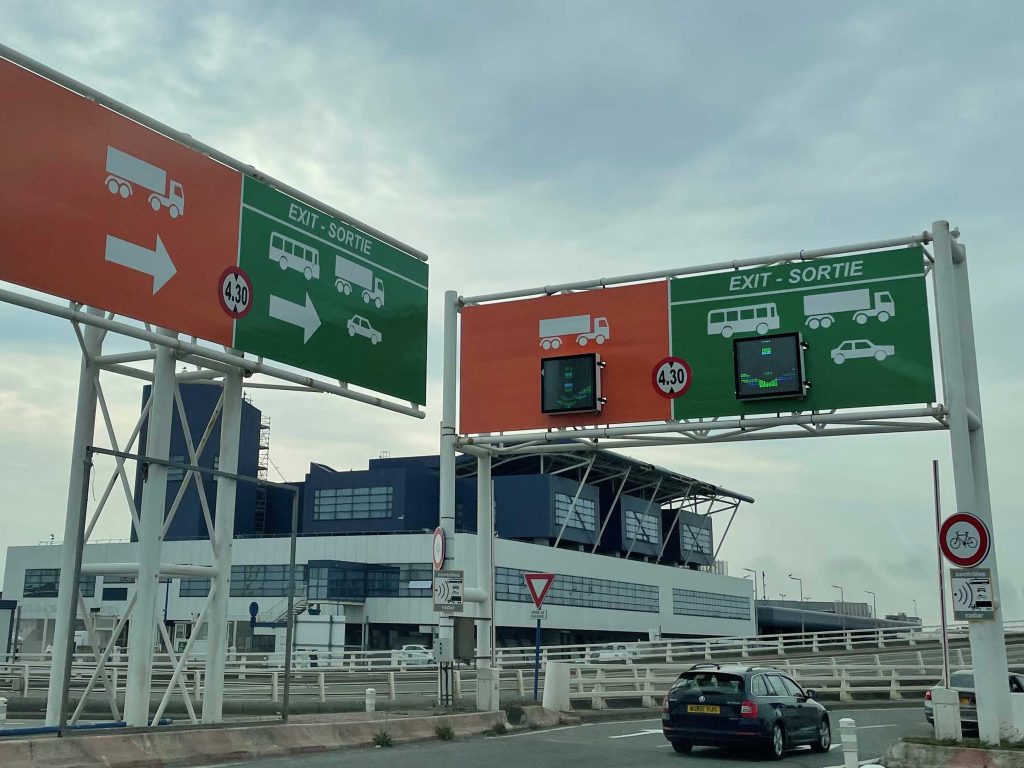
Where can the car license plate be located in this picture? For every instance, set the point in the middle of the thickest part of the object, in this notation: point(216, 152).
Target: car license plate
point(706, 709)
point(964, 702)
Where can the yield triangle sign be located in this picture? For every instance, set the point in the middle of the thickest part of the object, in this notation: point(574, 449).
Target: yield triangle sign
point(538, 584)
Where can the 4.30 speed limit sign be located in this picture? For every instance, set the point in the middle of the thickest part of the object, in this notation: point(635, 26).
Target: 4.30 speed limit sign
point(672, 377)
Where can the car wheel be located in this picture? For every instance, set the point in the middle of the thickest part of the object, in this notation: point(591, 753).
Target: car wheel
point(351, 331)
point(813, 323)
point(824, 741)
point(762, 329)
point(682, 746)
point(883, 317)
point(726, 332)
point(826, 322)
point(347, 288)
point(838, 359)
point(283, 263)
point(113, 186)
point(777, 745)
point(861, 319)
point(879, 355)
point(374, 338)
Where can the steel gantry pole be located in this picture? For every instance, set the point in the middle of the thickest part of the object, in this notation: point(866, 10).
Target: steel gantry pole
point(487, 688)
point(446, 500)
point(970, 472)
point(224, 532)
point(142, 633)
point(85, 428)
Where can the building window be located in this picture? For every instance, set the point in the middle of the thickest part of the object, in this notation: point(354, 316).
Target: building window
point(579, 591)
point(697, 538)
point(353, 503)
point(115, 594)
point(176, 474)
point(642, 527)
point(689, 602)
point(43, 582)
point(265, 580)
point(194, 588)
point(583, 515)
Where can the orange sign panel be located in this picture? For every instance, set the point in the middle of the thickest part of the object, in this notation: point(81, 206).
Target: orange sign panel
point(101, 210)
point(503, 344)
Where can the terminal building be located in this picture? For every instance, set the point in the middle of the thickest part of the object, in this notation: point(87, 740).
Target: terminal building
point(633, 546)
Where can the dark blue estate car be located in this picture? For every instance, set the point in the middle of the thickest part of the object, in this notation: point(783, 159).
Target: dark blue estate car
point(732, 705)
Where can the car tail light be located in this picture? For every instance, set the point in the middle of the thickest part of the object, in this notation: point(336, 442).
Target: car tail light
point(664, 704)
point(927, 695)
point(748, 708)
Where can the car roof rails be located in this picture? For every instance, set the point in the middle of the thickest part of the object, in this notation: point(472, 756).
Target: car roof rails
point(705, 665)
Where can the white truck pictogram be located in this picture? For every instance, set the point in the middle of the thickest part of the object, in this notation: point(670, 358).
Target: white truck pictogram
point(821, 308)
point(348, 273)
point(124, 170)
point(553, 329)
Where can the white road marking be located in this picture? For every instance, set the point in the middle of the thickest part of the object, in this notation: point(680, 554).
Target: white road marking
point(884, 725)
point(640, 733)
point(548, 730)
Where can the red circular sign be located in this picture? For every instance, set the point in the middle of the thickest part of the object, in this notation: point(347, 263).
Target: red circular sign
point(964, 540)
point(438, 549)
point(235, 292)
point(672, 377)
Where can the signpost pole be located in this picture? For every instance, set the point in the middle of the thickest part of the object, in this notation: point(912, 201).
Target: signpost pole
point(970, 473)
point(446, 505)
point(224, 532)
point(486, 680)
point(85, 425)
point(942, 577)
point(142, 631)
point(536, 664)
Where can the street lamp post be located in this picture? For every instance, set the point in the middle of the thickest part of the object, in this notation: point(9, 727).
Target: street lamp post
point(842, 604)
point(874, 606)
point(751, 570)
point(801, 581)
point(915, 608)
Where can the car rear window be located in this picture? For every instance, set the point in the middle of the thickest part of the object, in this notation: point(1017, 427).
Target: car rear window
point(709, 682)
point(961, 680)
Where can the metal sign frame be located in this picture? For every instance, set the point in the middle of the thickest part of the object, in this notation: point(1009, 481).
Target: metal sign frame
point(959, 414)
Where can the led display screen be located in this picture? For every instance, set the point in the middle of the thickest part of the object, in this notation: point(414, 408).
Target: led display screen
point(769, 366)
point(570, 384)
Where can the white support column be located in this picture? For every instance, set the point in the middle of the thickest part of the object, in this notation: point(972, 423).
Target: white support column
point(970, 473)
point(85, 429)
point(487, 679)
point(446, 501)
point(224, 532)
point(142, 632)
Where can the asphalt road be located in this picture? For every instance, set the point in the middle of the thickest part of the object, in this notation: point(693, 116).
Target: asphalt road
point(632, 744)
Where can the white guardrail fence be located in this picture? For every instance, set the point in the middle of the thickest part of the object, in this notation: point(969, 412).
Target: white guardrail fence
point(891, 663)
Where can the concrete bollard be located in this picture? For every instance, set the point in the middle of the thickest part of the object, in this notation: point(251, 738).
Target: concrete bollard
point(3, 709)
point(848, 734)
point(371, 699)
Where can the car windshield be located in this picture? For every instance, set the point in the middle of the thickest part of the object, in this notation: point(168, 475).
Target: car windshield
point(709, 682)
point(961, 680)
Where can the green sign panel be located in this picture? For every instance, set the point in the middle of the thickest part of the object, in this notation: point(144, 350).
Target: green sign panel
point(863, 320)
point(316, 293)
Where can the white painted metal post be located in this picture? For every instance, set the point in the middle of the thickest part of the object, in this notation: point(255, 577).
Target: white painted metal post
point(484, 565)
point(142, 632)
point(488, 683)
point(446, 501)
point(848, 736)
point(85, 428)
point(224, 532)
point(970, 472)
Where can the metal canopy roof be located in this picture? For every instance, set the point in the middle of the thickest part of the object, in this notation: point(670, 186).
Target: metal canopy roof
point(638, 478)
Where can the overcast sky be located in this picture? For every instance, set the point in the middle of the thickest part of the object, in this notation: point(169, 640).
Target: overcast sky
point(531, 143)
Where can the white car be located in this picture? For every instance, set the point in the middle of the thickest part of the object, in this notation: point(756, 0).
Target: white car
point(861, 348)
point(612, 653)
point(414, 656)
point(361, 325)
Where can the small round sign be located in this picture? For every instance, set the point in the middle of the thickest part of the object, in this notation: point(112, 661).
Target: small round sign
point(438, 549)
point(235, 292)
point(672, 377)
point(965, 540)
